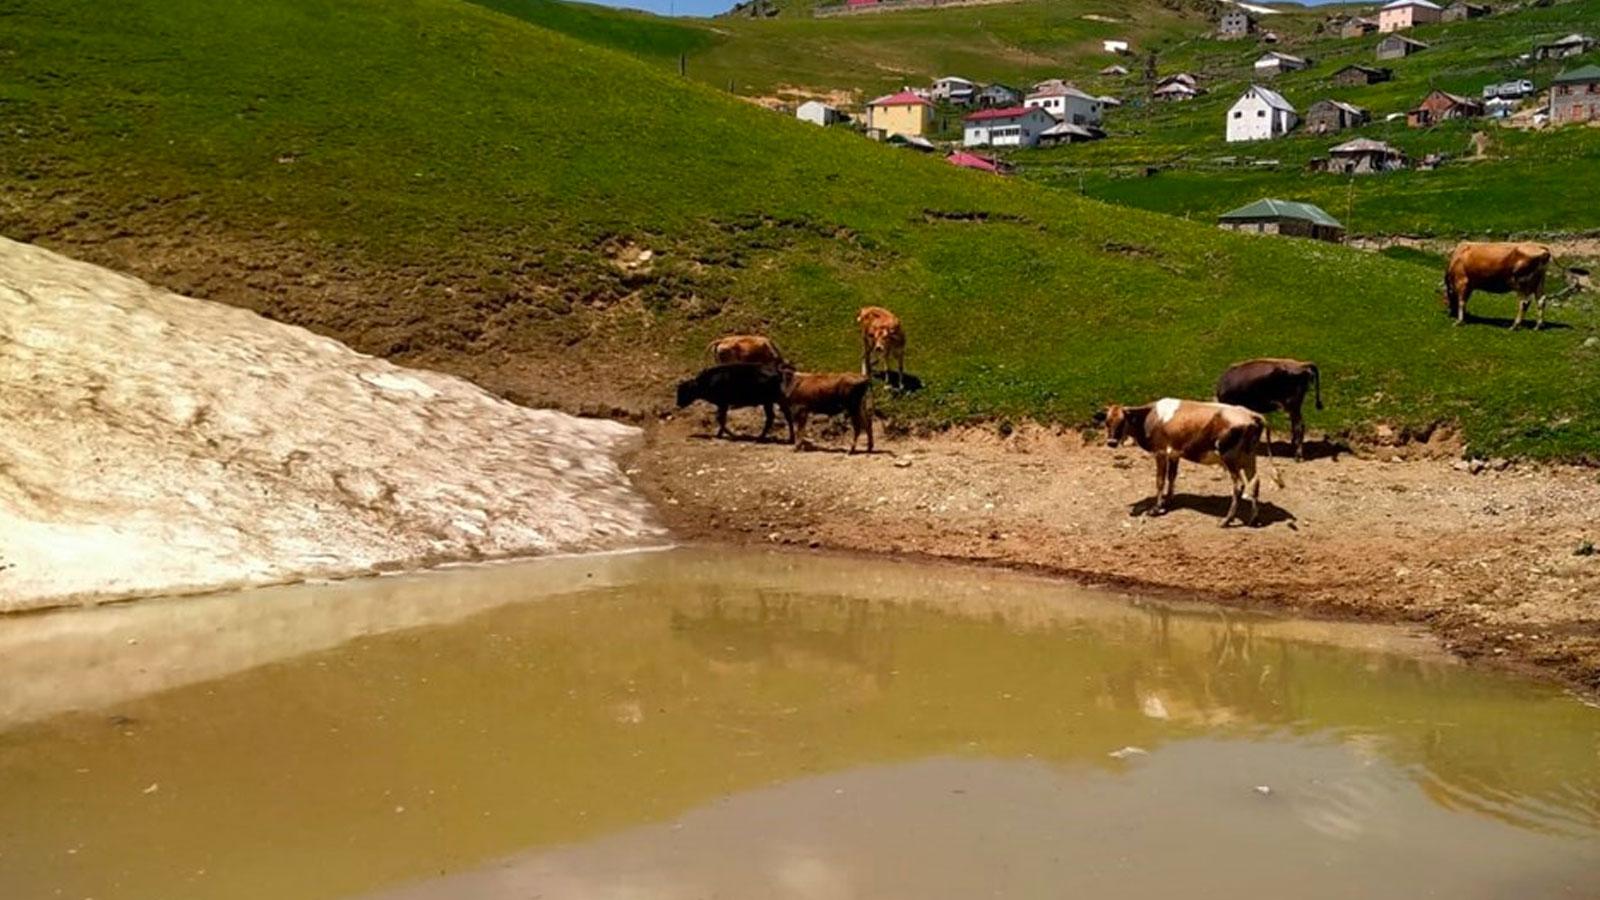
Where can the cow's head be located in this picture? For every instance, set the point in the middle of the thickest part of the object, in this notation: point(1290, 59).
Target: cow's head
point(688, 392)
point(1116, 422)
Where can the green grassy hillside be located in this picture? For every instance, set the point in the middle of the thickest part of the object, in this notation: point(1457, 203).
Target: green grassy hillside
point(444, 184)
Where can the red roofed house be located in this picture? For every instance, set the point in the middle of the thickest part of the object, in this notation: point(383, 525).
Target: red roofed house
point(1012, 126)
point(902, 113)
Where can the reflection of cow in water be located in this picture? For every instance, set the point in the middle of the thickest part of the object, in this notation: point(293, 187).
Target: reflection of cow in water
point(784, 632)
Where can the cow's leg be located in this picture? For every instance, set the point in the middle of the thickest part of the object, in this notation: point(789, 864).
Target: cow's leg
point(788, 418)
point(1159, 506)
point(860, 421)
point(722, 422)
point(866, 354)
point(799, 429)
point(1172, 479)
point(1464, 292)
point(1233, 477)
point(901, 359)
point(1539, 323)
point(1522, 307)
point(1253, 485)
point(1297, 428)
point(766, 426)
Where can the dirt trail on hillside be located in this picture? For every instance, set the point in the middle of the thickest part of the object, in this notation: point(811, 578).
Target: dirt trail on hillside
point(1497, 563)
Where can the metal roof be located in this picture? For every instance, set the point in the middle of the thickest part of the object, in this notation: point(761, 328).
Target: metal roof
point(1273, 98)
point(1582, 73)
point(1363, 145)
point(1399, 4)
point(1268, 208)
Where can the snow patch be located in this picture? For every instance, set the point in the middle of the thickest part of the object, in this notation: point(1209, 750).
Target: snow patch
point(154, 443)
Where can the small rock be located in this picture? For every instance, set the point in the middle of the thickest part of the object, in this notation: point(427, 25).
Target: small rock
point(1591, 341)
point(1475, 466)
point(154, 786)
point(1584, 549)
point(1127, 752)
point(1499, 464)
point(1461, 465)
point(902, 463)
point(1263, 789)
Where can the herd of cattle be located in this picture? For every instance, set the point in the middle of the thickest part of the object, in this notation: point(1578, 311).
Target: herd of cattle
point(750, 371)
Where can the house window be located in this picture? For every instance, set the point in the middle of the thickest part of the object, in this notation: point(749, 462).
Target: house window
point(1261, 114)
point(1238, 114)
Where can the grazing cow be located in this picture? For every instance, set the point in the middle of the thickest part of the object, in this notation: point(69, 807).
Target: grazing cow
point(805, 393)
point(1498, 269)
point(734, 386)
point(1211, 433)
point(745, 348)
point(1263, 385)
point(882, 335)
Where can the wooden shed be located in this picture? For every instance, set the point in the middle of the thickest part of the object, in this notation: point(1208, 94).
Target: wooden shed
point(1441, 105)
point(1286, 217)
point(1398, 46)
point(1325, 116)
point(1355, 76)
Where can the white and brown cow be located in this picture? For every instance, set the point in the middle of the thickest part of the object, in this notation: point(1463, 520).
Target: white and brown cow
point(1201, 432)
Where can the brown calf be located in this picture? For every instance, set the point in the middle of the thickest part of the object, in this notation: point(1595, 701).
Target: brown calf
point(1209, 433)
point(1497, 268)
point(745, 348)
point(882, 335)
point(805, 393)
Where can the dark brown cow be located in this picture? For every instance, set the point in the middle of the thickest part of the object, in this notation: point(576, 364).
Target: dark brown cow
point(882, 335)
point(745, 348)
point(1264, 385)
point(1499, 269)
point(1210, 433)
point(735, 386)
point(805, 393)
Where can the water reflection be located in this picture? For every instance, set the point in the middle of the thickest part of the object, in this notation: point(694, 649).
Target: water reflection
point(642, 695)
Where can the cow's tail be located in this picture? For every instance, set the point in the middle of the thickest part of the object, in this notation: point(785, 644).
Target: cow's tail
point(1316, 381)
point(1266, 431)
point(1450, 297)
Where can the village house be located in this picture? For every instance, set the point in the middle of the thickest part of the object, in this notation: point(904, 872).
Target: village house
point(902, 113)
point(818, 113)
point(1272, 63)
point(1439, 106)
point(1358, 26)
point(1402, 14)
point(1364, 156)
point(1177, 87)
point(998, 95)
point(1067, 104)
point(954, 89)
point(1565, 48)
point(1325, 116)
point(1285, 217)
point(1355, 76)
point(1260, 114)
point(1014, 126)
point(1235, 23)
point(1461, 10)
point(1398, 46)
point(1575, 96)
point(1121, 48)
point(1114, 71)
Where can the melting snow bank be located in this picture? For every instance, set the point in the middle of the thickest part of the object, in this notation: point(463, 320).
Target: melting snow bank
point(154, 443)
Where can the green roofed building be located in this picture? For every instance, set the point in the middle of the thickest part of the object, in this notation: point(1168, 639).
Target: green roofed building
point(1270, 216)
point(1575, 96)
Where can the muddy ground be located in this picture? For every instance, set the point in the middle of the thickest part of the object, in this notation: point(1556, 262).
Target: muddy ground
point(1498, 562)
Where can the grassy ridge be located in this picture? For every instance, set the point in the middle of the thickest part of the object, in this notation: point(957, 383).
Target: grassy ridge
point(502, 163)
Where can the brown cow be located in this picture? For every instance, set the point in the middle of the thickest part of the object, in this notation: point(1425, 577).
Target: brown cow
point(745, 348)
point(1210, 433)
point(883, 335)
point(1498, 269)
point(805, 393)
point(1263, 385)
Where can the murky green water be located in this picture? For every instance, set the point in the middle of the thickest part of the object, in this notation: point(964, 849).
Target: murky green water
point(713, 724)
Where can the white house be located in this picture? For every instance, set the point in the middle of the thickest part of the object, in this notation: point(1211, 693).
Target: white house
point(1014, 126)
point(1274, 63)
point(1118, 47)
point(1067, 104)
point(818, 113)
point(1260, 114)
point(954, 89)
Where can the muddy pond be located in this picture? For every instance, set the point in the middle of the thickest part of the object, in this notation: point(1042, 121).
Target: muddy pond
point(709, 723)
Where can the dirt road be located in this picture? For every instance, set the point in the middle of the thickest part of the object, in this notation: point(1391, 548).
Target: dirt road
point(1498, 563)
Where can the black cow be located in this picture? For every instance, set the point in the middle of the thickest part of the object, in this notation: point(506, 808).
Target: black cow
point(734, 386)
point(1263, 385)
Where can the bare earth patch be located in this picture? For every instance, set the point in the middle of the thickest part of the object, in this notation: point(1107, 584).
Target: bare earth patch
point(1498, 564)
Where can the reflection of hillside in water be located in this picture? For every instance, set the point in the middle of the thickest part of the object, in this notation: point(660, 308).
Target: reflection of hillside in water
point(790, 630)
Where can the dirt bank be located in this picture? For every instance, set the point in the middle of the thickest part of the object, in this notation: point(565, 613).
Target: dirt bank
point(1497, 563)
